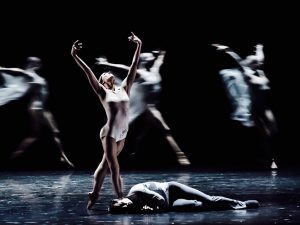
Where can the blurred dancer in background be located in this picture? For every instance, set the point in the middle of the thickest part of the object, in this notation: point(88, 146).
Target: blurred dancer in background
point(17, 83)
point(146, 94)
point(248, 89)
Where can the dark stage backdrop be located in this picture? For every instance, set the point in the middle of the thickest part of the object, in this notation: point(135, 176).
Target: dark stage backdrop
point(193, 100)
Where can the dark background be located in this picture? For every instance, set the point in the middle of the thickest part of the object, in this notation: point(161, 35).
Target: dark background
point(193, 100)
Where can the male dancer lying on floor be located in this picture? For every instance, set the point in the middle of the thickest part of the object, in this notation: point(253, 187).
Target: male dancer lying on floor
point(173, 196)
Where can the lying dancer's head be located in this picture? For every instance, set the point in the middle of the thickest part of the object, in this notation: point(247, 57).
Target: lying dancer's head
point(123, 205)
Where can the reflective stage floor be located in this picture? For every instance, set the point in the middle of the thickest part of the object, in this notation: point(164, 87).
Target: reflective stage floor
point(60, 197)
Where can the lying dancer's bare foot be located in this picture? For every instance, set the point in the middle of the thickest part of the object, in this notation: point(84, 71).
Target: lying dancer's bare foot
point(92, 199)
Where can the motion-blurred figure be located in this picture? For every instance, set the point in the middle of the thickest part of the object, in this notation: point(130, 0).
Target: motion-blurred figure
point(18, 82)
point(248, 89)
point(145, 95)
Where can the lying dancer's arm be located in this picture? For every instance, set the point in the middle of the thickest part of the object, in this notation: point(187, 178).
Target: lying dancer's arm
point(151, 200)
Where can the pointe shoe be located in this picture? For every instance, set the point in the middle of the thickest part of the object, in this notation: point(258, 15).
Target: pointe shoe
point(252, 204)
point(92, 200)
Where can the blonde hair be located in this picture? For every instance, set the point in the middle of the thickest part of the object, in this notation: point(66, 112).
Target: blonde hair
point(100, 80)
